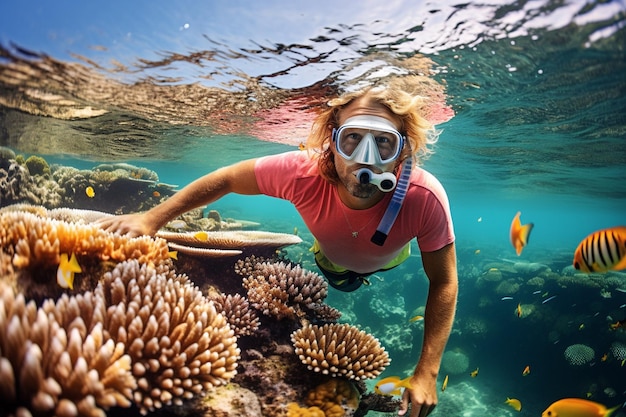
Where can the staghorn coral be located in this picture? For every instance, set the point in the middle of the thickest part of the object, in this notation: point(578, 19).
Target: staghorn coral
point(340, 350)
point(282, 290)
point(179, 344)
point(579, 354)
point(241, 318)
point(35, 241)
point(454, 362)
point(48, 368)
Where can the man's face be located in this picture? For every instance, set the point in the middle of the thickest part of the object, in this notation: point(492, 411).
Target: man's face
point(345, 169)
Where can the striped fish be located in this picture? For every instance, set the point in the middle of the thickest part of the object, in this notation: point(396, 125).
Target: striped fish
point(602, 251)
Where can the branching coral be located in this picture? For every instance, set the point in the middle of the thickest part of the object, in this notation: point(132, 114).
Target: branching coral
point(579, 354)
point(282, 289)
point(179, 345)
point(241, 318)
point(340, 350)
point(144, 335)
point(49, 368)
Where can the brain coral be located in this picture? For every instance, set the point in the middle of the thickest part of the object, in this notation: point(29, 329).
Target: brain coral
point(340, 350)
point(618, 349)
point(454, 362)
point(579, 354)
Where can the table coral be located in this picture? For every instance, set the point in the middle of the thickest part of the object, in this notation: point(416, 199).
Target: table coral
point(579, 354)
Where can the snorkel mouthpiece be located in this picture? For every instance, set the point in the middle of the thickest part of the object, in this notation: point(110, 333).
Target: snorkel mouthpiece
point(385, 181)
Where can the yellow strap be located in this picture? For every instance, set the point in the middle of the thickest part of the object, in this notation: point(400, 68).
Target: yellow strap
point(330, 266)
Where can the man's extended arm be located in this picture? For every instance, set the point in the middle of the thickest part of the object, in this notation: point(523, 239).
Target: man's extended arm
point(238, 178)
point(440, 267)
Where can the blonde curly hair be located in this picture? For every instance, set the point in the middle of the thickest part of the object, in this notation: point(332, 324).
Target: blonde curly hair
point(400, 97)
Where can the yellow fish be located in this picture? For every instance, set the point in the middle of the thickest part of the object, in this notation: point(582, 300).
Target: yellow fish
point(302, 146)
point(519, 234)
point(477, 252)
point(392, 385)
point(526, 370)
point(514, 403)
point(474, 373)
point(202, 236)
point(173, 254)
point(90, 192)
point(66, 271)
point(577, 407)
point(518, 310)
point(416, 318)
point(445, 384)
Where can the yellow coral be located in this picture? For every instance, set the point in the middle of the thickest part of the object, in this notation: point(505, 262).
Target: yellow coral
point(334, 397)
point(294, 410)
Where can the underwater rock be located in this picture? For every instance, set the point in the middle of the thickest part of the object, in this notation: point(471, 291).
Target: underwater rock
point(232, 400)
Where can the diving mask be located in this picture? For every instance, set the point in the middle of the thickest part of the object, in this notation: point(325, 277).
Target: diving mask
point(368, 140)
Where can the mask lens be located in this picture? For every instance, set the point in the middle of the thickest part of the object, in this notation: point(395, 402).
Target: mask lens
point(387, 143)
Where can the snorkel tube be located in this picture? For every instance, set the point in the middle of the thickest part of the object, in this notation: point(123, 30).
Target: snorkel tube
point(385, 181)
point(389, 218)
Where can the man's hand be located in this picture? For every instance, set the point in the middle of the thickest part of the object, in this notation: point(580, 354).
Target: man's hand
point(422, 397)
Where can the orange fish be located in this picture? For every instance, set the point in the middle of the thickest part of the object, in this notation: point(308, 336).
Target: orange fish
point(602, 251)
point(514, 403)
point(604, 358)
point(302, 146)
point(577, 407)
point(519, 234)
point(618, 324)
point(156, 194)
point(526, 370)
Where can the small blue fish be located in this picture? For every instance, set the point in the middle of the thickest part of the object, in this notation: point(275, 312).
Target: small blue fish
point(548, 299)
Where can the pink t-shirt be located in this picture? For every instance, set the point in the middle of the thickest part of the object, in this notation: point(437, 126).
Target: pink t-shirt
point(425, 212)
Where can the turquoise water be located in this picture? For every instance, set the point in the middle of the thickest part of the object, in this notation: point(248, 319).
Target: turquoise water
point(539, 97)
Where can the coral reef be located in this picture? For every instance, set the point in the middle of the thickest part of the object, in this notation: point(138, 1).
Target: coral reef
point(454, 362)
point(340, 350)
point(236, 308)
point(283, 290)
point(143, 334)
point(618, 350)
point(579, 354)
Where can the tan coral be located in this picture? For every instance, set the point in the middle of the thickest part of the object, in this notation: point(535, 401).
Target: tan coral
point(36, 241)
point(235, 239)
point(241, 318)
point(340, 350)
point(282, 289)
point(179, 344)
point(47, 368)
point(204, 252)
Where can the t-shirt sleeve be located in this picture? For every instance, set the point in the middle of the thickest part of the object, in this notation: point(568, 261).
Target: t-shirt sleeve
point(436, 229)
point(276, 174)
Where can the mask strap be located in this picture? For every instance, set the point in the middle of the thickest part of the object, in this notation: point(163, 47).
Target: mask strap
point(391, 213)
